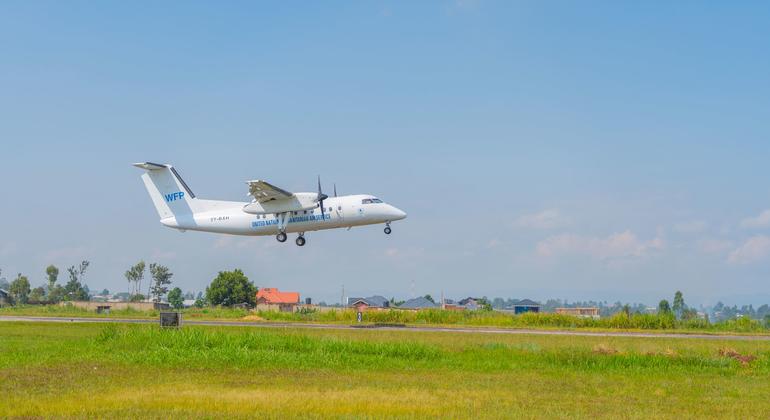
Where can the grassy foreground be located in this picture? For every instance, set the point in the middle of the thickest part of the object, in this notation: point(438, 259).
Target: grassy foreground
point(85, 370)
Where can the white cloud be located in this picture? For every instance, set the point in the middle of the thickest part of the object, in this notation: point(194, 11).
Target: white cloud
point(546, 219)
point(754, 249)
point(693, 226)
point(761, 221)
point(617, 245)
point(714, 246)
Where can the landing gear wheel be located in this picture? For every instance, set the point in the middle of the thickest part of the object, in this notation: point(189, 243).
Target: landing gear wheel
point(388, 230)
point(300, 241)
point(281, 237)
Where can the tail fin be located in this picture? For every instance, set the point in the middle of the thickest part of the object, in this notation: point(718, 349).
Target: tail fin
point(171, 196)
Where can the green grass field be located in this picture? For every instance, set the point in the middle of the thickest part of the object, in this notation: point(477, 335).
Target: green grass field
point(86, 370)
point(620, 321)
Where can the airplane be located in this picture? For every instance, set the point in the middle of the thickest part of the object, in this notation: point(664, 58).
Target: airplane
point(272, 210)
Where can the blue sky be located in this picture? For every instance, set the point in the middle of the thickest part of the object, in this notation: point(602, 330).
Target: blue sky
point(606, 150)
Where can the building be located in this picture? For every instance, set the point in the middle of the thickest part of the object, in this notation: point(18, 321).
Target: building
point(4, 297)
point(588, 312)
point(526, 305)
point(371, 302)
point(418, 303)
point(471, 303)
point(270, 299)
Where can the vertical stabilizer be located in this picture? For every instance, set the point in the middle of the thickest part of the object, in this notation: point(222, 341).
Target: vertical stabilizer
point(169, 193)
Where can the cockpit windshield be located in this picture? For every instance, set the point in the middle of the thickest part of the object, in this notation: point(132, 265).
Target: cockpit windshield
point(370, 200)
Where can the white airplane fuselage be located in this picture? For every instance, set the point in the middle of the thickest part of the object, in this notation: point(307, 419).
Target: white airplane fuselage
point(339, 212)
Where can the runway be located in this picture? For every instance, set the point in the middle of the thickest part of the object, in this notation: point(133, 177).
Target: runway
point(465, 330)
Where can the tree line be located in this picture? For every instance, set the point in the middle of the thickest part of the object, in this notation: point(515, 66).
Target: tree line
point(20, 291)
point(227, 289)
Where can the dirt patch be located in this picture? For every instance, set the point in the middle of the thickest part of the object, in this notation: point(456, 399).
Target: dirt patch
point(604, 349)
point(252, 318)
point(744, 359)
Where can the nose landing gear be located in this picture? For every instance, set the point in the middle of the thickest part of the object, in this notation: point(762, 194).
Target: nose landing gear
point(388, 230)
point(300, 240)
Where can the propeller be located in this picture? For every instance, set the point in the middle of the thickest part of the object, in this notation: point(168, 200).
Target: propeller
point(321, 197)
point(335, 190)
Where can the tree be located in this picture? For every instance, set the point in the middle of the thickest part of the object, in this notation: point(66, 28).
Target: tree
point(37, 295)
point(104, 292)
point(19, 289)
point(161, 278)
point(74, 288)
point(135, 275)
point(678, 307)
point(429, 298)
point(689, 313)
point(57, 294)
point(175, 298)
point(484, 304)
point(664, 307)
point(136, 298)
point(3, 282)
point(627, 310)
point(52, 273)
point(230, 288)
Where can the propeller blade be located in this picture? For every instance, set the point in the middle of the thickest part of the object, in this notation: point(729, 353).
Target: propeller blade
point(321, 196)
point(335, 189)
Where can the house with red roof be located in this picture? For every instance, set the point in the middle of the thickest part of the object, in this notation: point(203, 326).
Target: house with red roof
point(272, 298)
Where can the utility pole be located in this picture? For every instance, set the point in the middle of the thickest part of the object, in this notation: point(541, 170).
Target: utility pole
point(342, 297)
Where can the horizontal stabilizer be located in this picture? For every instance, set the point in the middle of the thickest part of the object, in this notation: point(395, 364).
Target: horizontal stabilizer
point(150, 166)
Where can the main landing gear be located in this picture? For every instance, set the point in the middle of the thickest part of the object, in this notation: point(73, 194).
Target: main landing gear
point(281, 237)
point(388, 230)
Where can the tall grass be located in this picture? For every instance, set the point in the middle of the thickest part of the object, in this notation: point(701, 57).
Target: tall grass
point(271, 349)
point(276, 349)
point(426, 317)
point(526, 320)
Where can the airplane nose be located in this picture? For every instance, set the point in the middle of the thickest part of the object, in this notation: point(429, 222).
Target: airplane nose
point(398, 214)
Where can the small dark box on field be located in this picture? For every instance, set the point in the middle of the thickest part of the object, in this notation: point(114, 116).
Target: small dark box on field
point(171, 319)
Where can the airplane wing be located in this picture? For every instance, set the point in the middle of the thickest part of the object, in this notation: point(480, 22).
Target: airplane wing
point(263, 191)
